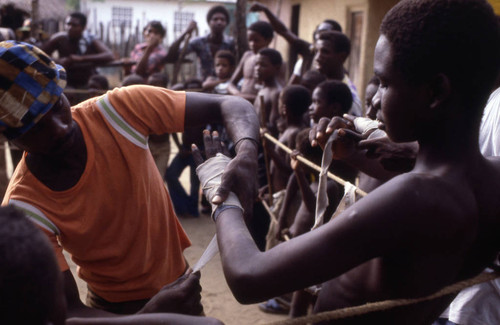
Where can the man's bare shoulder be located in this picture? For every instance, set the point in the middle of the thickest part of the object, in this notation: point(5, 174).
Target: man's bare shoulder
point(421, 201)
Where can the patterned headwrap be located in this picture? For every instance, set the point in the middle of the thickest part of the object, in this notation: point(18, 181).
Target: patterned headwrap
point(30, 84)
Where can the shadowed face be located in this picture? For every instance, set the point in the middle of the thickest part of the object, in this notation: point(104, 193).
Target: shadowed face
point(327, 60)
point(320, 107)
point(222, 68)
point(52, 133)
point(74, 27)
point(217, 23)
point(402, 105)
point(256, 41)
point(264, 70)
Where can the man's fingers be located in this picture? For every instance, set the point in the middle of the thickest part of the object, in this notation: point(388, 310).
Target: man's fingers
point(349, 134)
point(220, 195)
point(198, 159)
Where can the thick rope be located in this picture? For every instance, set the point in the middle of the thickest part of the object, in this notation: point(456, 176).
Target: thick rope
point(386, 304)
point(310, 164)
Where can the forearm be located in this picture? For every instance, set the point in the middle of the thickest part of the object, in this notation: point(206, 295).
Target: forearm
point(291, 189)
point(308, 196)
point(173, 50)
point(142, 66)
point(240, 120)
point(238, 252)
point(149, 319)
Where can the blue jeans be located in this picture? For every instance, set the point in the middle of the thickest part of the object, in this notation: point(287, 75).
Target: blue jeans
point(183, 203)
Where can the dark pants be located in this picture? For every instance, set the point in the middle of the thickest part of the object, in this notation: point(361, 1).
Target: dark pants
point(183, 203)
point(121, 308)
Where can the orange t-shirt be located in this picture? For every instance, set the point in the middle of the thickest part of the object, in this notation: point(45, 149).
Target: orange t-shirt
point(118, 221)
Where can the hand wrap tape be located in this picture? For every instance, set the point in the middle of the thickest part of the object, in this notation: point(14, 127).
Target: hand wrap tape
point(210, 175)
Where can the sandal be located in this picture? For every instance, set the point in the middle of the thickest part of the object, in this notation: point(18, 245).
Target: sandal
point(274, 306)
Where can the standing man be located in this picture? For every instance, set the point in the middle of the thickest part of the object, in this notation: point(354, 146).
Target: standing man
point(89, 181)
point(332, 49)
point(205, 47)
point(79, 52)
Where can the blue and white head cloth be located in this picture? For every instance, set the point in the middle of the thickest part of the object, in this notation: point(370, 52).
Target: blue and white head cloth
point(30, 84)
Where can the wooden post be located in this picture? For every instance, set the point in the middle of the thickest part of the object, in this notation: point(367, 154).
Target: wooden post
point(35, 17)
point(241, 28)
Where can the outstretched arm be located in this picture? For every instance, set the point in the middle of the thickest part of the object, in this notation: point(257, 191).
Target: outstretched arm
point(352, 238)
point(279, 27)
point(241, 122)
point(173, 50)
point(146, 319)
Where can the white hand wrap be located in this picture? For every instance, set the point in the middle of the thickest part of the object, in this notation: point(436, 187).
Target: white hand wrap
point(364, 125)
point(210, 175)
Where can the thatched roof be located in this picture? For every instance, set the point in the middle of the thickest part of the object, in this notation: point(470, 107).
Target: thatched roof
point(48, 9)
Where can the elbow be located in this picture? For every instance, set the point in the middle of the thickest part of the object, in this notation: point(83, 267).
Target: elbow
point(244, 285)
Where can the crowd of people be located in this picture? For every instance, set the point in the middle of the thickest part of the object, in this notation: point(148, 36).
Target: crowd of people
point(96, 179)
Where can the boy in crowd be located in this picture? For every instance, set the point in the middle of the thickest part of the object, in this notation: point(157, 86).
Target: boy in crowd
point(259, 36)
point(332, 49)
point(225, 63)
point(267, 67)
point(420, 231)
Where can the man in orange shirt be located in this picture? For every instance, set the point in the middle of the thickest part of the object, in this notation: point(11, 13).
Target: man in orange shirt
point(89, 181)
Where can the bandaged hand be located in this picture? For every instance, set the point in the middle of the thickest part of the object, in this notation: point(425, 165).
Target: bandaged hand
point(211, 172)
point(210, 175)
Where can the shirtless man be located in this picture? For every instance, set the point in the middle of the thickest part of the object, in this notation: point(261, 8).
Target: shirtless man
point(422, 230)
point(259, 35)
point(78, 52)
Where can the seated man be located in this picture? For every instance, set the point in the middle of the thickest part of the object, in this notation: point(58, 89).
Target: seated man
point(420, 231)
point(89, 181)
point(79, 52)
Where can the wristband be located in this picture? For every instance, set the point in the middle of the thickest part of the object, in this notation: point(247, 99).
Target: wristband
point(210, 175)
point(246, 138)
point(221, 208)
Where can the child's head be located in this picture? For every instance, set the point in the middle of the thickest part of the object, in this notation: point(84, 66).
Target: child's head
point(154, 27)
point(224, 64)
point(303, 144)
point(331, 98)
point(133, 79)
point(311, 79)
point(294, 101)
point(97, 84)
point(259, 35)
point(459, 40)
point(31, 289)
point(158, 79)
point(370, 91)
point(267, 64)
point(332, 49)
point(327, 24)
